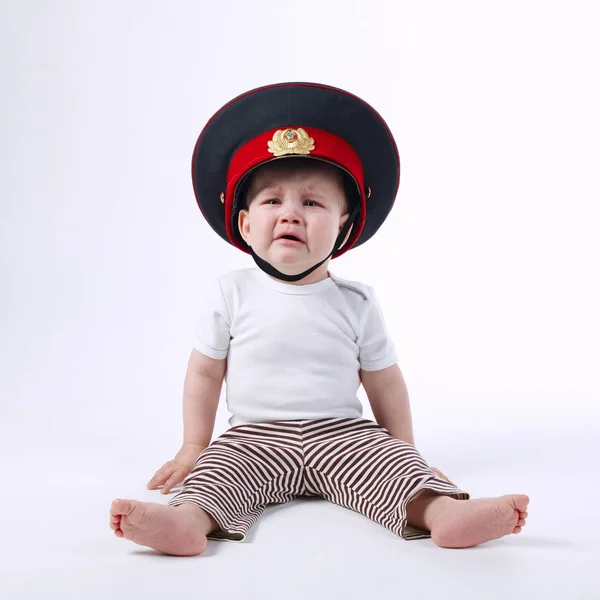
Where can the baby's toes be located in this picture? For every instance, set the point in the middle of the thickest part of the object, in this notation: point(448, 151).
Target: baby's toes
point(116, 527)
point(120, 507)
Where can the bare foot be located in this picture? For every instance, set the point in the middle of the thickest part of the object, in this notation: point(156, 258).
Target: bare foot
point(465, 523)
point(179, 530)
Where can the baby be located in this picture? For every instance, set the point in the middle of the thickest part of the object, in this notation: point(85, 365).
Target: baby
point(294, 342)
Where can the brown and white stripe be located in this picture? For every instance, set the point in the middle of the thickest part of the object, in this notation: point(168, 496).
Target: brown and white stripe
point(351, 462)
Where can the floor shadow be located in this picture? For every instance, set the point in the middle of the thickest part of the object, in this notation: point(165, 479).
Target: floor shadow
point(211, 550)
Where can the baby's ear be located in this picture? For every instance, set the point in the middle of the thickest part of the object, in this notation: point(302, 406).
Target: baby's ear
point(347, 235)
point(244, 224)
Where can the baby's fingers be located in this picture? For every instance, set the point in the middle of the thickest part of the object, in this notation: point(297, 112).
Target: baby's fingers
point(162, 475)
point(440, 474)
point(179, 475)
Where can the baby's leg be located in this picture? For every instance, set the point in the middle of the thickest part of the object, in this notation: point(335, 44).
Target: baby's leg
point(234, 479)
point(178, 530)
point(359, 465)
point(464, 523)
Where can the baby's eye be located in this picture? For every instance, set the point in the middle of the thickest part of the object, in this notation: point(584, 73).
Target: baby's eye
point(270, 200)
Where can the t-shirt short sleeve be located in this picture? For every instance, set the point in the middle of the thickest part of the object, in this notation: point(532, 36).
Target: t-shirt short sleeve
point(212, 331)
point(376, 349)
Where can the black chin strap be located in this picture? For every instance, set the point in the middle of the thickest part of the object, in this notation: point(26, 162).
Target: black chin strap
point(273, 272)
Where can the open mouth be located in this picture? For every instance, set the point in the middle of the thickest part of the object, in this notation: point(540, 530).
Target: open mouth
point(289, 239)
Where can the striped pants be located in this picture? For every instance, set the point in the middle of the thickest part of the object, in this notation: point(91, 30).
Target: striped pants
point(352, 462)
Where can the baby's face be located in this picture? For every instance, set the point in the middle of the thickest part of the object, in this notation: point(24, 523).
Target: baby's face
point(308, 204)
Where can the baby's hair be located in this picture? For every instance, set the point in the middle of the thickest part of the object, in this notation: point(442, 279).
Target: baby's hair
point(294, 165)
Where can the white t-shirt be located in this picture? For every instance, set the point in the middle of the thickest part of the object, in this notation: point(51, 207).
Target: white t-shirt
point(293, 351)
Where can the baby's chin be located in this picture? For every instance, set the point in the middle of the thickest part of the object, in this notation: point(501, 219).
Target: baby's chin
point(291, 260)
point(290, 267)
point(288, 263)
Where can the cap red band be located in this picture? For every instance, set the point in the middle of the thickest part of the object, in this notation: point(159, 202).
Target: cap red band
point(327, 146)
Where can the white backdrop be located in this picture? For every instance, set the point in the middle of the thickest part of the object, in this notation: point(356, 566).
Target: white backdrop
point(487, 267)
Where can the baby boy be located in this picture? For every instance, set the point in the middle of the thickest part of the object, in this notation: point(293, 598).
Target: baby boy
point(294, 341)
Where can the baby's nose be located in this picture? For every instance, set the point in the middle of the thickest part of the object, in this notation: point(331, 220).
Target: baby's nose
point(290, 216)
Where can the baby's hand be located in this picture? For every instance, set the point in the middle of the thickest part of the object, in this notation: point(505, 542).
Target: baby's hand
point(176, 470)
point(440, 474)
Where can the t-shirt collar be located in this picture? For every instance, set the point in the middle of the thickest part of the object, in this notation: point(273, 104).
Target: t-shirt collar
point(288, 288)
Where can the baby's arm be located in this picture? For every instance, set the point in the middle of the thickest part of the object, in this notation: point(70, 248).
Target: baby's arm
point(201, 392)
point(389, 401)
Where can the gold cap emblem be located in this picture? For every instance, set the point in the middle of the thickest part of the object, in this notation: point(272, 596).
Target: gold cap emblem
point(291, 141)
